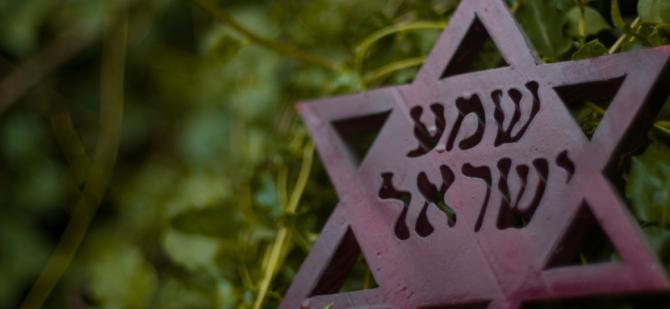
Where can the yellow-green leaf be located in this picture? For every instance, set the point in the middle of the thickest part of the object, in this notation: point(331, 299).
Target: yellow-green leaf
point(654, 11)
point(648, 185)
point(593, 22)
point(544, 26)
point(617, 19)
point(590, 50)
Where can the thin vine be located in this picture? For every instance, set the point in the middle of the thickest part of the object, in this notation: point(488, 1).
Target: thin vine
point(285, 49)
point(111, 115)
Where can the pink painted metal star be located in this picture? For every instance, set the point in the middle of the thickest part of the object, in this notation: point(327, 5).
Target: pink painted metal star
point(480, 187)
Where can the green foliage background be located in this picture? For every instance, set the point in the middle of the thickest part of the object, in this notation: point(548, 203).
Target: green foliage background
point(157, 141)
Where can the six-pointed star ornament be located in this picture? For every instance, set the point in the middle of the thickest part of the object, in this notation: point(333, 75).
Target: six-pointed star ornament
point(480, 187)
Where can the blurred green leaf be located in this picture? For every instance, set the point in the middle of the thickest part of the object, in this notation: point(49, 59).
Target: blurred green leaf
point(201, 140)
point(632, 45)
point(194, 252)
point(20, 22)
point(267, 196)
point(665, 110)
point(178, 293)
point(209, 221)
point(591, 49)
point(24, 252)
point(544, 25)
point(565, 5)
point(23, 138)
point(587, 118)
point(594, 23)
point(615, 12)
point(659, 239)
point(44, 186)
point(657, 37)
point(647, 185)
point(222, 47)
point(654, 11)
point(120, 277)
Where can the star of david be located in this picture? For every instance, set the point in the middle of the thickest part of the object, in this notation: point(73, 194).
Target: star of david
point(480, 185)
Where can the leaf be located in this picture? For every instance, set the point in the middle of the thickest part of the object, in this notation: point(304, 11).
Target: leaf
point(632, 45)
point(615, 12)
point(24, 252)
point(223, 47)
point(193, 252)
point(118, 274)
point(656, 38)
point(23, 137)
point(591, 49)
point(659, 239)
point(654, 11)
point(587, 118)
point(594, 23)
point(648, 185)
point(173, 294)
point(543, 24)
point(647, 35)
point(665, 110)
point(43, 187)
point(267, 197)
point(565, 5)
point(21, 21)
point(210, 221)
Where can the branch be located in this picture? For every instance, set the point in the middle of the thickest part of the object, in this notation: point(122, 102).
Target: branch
point(622, 39)
point(393, 67)
point(288, 50)
point(32, 71)
point(66, 134)
point(362, 48)
point(71, 145)
point(282, 236)
point(658, 125)
point(111, 114)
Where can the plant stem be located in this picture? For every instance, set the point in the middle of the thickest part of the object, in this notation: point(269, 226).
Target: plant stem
point(393, 67)
point(71, 145)
point(31, 71)
point(282, 236)
point(301, 183)
point(288, 50)
point(66, 134)
point(362, 47)
point(659, 125)
point(661, 128)
point(111, 114)
point(622, 39)
point(582, 22)
point(401, 27)
point(599, 110)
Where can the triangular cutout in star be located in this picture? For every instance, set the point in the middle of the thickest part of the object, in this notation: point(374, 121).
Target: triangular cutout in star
point(589, 101)
point(347, 270)
point(360, 277)
point(584, 243)
point(359, 133)
point(477, 52)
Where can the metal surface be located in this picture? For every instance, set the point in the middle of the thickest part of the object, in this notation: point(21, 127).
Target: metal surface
point(474, 180)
